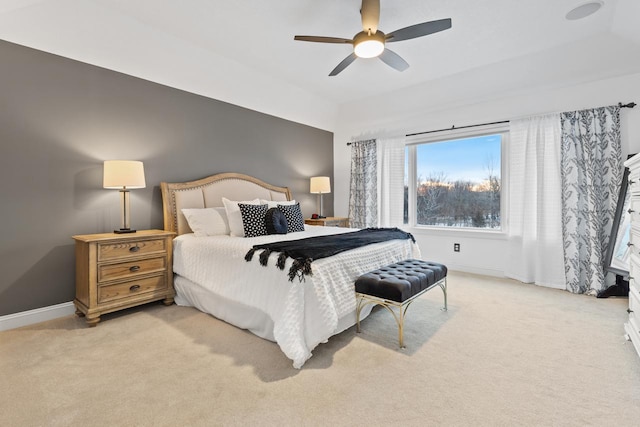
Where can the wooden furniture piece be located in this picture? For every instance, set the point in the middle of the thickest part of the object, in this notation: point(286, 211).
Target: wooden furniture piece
point(397, 285)
point(632, 327)
point(330, 221)
point(117, 271)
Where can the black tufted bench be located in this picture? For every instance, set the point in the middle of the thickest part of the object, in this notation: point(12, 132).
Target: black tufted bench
point(397, 285)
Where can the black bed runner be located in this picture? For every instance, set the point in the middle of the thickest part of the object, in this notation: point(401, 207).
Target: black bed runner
point(304, 251)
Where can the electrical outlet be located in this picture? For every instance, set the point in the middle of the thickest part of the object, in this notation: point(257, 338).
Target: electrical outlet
point(456, 247)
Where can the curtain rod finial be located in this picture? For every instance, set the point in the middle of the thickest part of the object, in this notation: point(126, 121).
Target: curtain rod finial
point(629, 105)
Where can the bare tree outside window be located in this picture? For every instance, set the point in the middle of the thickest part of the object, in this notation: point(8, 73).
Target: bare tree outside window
point(458, 183)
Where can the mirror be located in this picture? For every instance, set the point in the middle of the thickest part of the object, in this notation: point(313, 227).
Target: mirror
point(618, 251)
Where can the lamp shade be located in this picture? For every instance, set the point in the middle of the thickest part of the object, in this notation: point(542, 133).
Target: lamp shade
point(320, 185)
point(123, 174)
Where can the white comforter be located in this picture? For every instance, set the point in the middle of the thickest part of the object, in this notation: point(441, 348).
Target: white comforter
point(304, 314)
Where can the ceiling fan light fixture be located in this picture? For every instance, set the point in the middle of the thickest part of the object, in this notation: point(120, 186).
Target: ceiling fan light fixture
point(369, 49)
point(368, 46)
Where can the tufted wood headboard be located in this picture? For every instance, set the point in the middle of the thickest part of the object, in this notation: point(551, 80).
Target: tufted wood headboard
point(208, 193)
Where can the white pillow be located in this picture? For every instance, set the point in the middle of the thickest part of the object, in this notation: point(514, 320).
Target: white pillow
point(274, 203)
point(207, 222)
point(234, 216)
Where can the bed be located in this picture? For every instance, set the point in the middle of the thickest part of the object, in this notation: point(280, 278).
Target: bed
point(212, 275)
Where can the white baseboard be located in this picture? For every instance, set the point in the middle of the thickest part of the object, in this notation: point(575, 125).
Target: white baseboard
point(25, 318)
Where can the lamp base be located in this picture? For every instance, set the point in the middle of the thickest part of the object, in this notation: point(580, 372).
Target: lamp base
point(124, 231)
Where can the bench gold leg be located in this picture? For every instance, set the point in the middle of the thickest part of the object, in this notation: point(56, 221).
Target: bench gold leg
point(443, 286)
point(358, 310)
point(399, 318)
point(401, 328)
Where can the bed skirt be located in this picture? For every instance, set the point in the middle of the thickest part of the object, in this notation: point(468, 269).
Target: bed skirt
point(190, 294)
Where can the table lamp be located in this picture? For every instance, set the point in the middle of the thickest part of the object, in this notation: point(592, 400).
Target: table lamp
point(320, 185)
point(123, 175)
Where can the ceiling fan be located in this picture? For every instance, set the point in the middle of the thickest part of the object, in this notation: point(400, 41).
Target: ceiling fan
point(370, 42)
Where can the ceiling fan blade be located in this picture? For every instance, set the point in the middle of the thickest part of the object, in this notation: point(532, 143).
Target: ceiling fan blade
point(370, 12)
point(344, 64)
point(393, 60)
point(320, 39)
point(418, 30)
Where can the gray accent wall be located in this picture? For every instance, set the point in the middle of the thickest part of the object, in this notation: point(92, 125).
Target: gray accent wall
point(60, 119)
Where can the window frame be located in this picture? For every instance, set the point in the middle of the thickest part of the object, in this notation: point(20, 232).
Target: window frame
point(411, 148)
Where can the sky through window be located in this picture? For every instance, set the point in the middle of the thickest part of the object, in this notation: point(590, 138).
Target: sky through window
point(461, 159)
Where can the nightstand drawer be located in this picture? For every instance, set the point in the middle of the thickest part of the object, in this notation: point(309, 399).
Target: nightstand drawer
point(131, 269)
point(332, 221)
point(133, 287)
point(107, 251)
point(335, 223)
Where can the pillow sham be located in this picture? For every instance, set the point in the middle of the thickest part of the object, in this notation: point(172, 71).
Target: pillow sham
point(275, 203)
point(234, 217)
point(207, 221)
point(275, 221)
point(253, 219)
point(295, 222)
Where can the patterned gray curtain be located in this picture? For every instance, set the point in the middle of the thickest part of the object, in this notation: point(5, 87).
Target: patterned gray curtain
point(363, 194)
point(591, 159)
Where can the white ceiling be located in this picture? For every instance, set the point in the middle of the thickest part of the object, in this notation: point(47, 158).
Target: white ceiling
point(243, 51)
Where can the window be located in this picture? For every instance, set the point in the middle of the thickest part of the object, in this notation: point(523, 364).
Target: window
point(455, 181)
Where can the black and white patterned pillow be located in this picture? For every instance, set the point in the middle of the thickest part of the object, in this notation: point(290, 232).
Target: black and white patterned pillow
point(295, 222)
point(253, 219)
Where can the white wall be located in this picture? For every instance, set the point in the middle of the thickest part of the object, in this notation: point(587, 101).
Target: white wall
point(403, 113)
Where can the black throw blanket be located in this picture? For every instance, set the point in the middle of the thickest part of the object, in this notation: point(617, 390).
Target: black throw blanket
point(304, 251)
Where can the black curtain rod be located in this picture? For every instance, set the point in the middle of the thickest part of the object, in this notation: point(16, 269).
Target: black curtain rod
point(454, 127)
point(620, 104)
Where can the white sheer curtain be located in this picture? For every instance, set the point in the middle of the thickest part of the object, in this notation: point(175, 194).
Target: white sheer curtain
point(535, 245)
point(391, 181)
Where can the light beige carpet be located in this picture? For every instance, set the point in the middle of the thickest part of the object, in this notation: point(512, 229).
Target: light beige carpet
point(505, 354)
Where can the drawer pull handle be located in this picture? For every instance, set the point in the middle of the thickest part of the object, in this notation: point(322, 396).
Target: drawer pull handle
point(134, 249)
point(630, 211)
point(134, 268)
point(629, 311)
point(134, 288)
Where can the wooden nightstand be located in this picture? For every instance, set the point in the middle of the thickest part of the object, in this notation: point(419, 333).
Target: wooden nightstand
point(116, 271)
point(330, 221)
